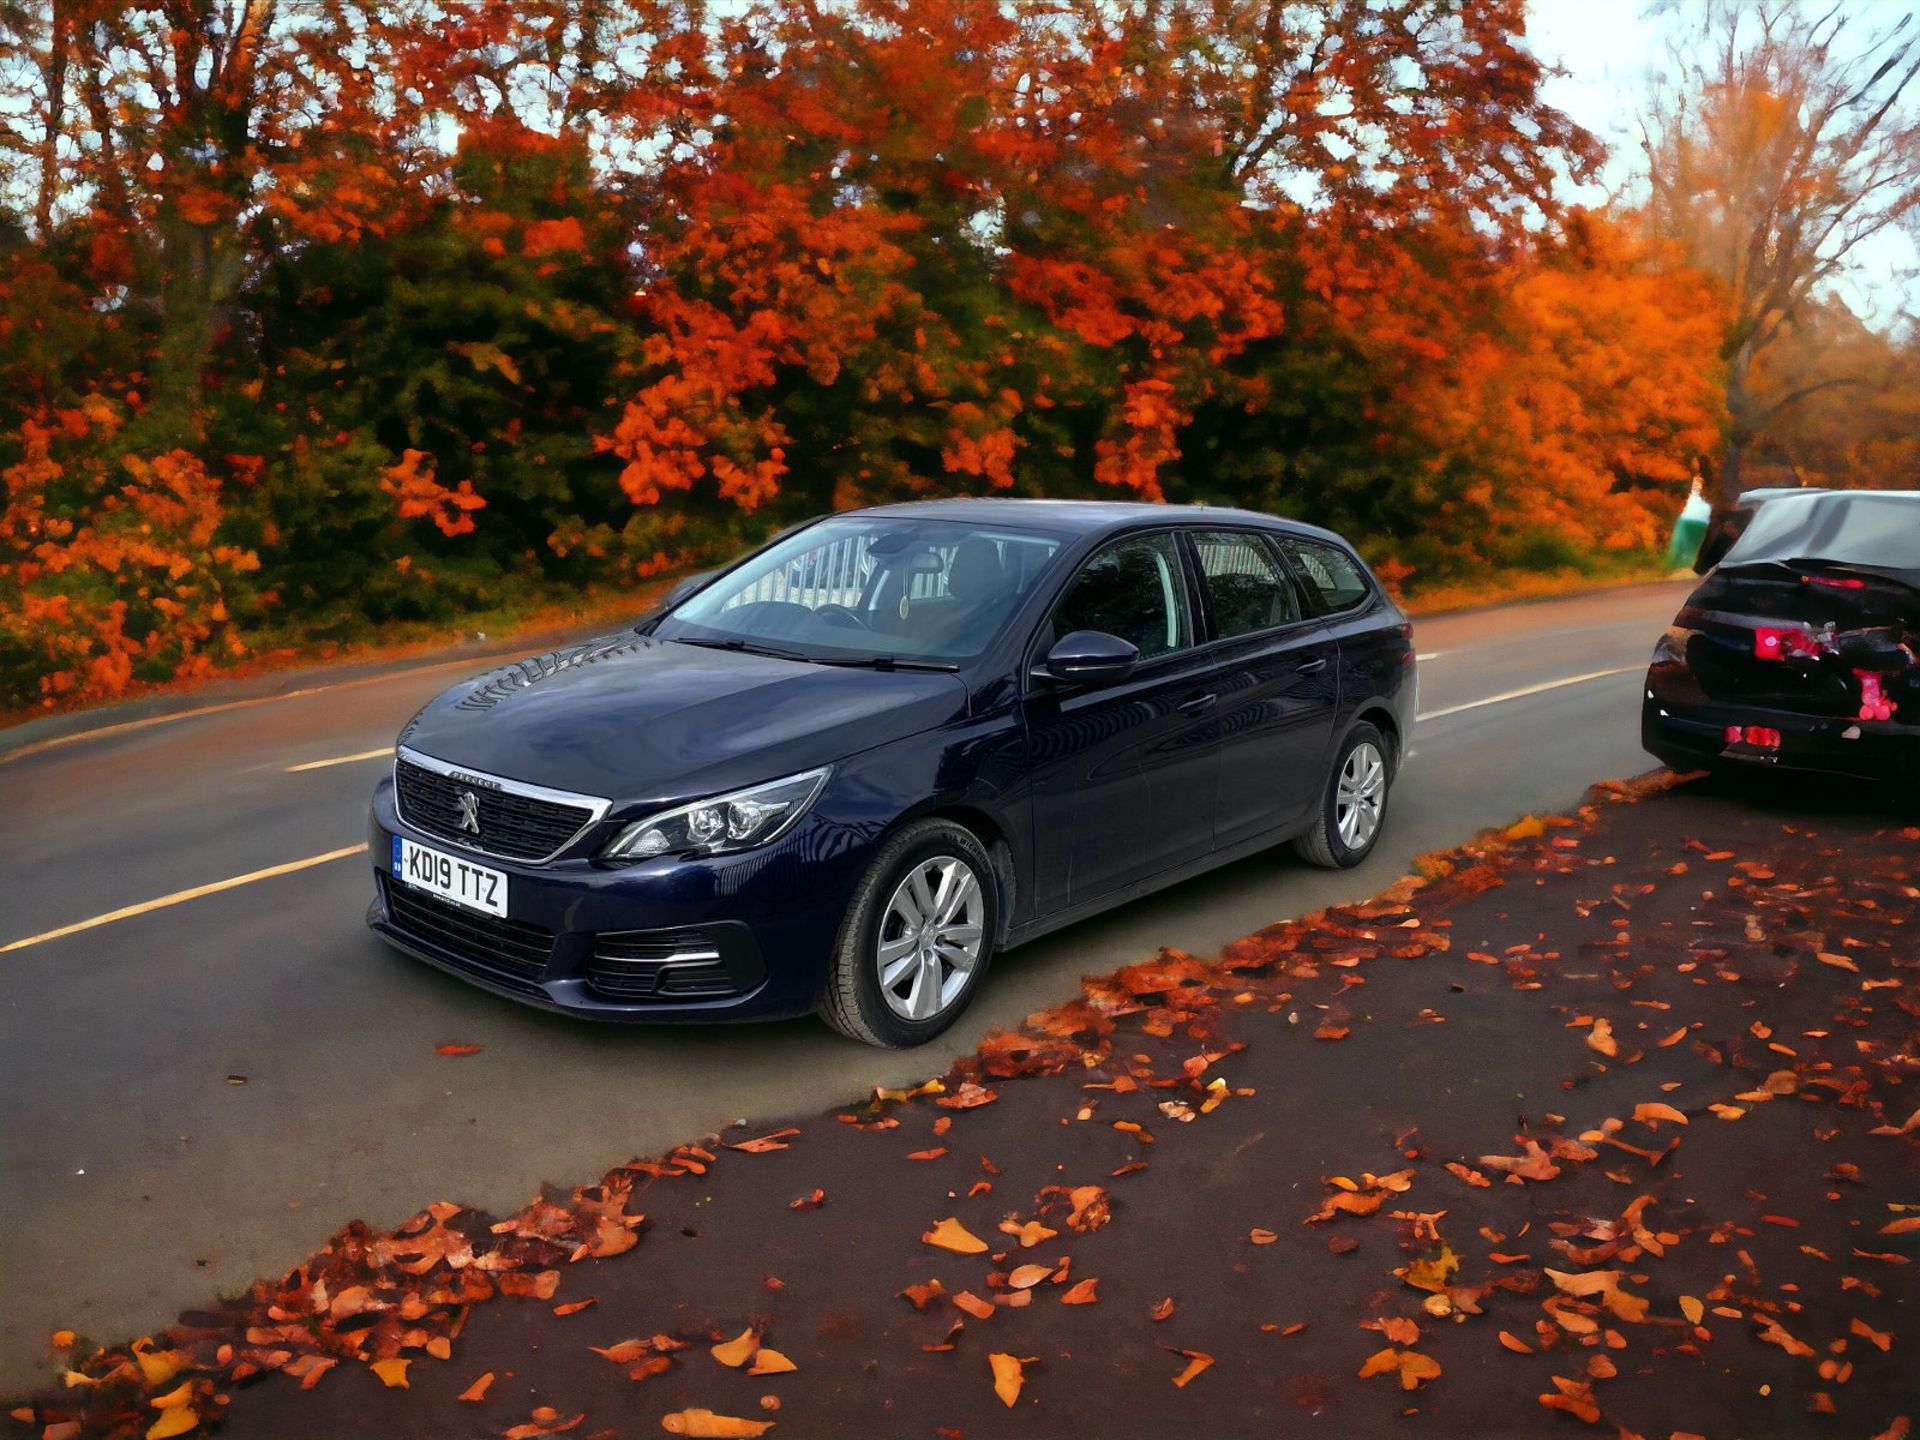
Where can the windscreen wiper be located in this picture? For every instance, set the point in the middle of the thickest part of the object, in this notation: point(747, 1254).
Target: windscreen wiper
point(893, 662)
point(745, 647)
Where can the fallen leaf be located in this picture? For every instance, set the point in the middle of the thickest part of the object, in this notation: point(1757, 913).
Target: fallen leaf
point(765, 1143)
point(1197, 1360)
point(574, 1307)
point(1163, 1310)
point(1654, 1111)
point(950, 1234)
point(459, 1050)
point(1030, 1234)
point(1262, 1237)
point(1772, 1334)
point(736, 1352)
point(173, 1422)
point(392, 1372)
point(1082, 1292)
point(699, 1424)
point(1903, 1226)
point(1025, 1277)
point(1411, 1367)
point(1839, 962)
point(1879, 1339)
point(1008, 1376)
point(1576, 1398)
point(971, 1303)
point(477, 1391)
point(1515, 1344)
point(771, 1362)
point(1431, 1272)
point(545, 1421)
point(921, 1296)
point(1600, 1038)
point(1692, 1309)
point(1606, 1285)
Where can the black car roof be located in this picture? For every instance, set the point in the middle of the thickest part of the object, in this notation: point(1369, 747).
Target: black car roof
point(1091, 517)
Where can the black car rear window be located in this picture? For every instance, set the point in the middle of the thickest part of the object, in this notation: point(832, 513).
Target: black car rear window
point(1880, 531)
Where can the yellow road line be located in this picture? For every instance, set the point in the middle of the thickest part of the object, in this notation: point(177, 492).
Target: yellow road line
point(180, 897)
point(383, 751)
point(1522, 693)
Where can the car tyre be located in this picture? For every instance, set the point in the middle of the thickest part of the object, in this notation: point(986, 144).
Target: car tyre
point(1353, 808)
point(932, 989)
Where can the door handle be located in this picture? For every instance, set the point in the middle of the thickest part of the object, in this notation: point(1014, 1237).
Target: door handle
point(1313, 667)
point(1197, 704)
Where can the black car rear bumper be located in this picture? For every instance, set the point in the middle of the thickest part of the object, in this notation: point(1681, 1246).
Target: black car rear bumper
point(1690, 732)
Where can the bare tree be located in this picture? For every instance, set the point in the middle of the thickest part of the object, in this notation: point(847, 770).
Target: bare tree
point(1783, 138)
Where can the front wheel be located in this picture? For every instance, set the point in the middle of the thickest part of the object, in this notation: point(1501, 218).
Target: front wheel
point(1355, 803)
point(917, 937)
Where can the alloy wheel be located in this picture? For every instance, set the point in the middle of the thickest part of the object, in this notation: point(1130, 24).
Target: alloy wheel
point(929, 938)
point(1360, 796)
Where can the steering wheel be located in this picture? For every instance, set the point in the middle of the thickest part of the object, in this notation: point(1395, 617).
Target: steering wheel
point(840, 615)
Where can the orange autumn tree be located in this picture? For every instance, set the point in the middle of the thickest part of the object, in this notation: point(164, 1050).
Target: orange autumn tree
point(953, 246)
point(1593, 397)
point(133, 588)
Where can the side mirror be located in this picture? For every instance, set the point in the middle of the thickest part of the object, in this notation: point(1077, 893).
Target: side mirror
point(1090, 657)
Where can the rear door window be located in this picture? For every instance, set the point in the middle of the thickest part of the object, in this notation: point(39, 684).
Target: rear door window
point(1246, 589)
point(1329, 571)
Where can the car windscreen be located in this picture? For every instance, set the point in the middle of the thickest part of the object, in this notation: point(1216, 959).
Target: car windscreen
point(1879, 532)
point(871, 587)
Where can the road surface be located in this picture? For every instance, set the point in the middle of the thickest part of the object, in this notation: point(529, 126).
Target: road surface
point(202, 1090)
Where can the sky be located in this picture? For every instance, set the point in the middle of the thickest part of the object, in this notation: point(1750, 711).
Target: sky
point(1608, 48)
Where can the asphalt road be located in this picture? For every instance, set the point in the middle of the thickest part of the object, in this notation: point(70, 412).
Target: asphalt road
point(135, 1178)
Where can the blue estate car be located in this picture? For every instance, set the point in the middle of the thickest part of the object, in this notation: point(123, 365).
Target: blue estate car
point(844, 772)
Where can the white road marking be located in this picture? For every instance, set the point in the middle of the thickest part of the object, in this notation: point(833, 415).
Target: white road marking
point(472, 665)
point(381, 753)
point(1521, 694)
point(180, 897)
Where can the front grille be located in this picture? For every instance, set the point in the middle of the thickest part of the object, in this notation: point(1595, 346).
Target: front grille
point(663, 964)
point(520, 827)
point(510, 951)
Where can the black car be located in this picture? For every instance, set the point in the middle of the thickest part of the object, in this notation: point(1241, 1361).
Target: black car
point(846, 771)
point(1801, 648)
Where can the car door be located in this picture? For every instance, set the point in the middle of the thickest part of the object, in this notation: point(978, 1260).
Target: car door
point(1122, 775)
point(1276, 672)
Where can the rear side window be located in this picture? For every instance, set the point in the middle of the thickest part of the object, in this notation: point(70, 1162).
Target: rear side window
point(1132, 589)
point(1334, 575)
point(1246, 588)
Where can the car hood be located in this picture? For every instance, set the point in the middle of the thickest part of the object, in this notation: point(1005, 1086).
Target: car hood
point(640, 720)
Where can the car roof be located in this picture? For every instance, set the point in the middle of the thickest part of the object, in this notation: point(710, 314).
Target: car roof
point(1090, 517)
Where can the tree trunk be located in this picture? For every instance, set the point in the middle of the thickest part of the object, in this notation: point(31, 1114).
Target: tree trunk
point(1742, 427)
point(56, 120)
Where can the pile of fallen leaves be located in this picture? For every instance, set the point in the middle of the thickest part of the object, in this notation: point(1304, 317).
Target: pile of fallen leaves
point(1564, 1242)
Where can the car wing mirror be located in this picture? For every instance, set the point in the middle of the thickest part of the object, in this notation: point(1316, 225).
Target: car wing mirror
point(1090, 657)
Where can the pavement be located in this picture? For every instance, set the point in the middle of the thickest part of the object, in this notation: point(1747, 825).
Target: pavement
point(194, 1093)
point(1613, 1122)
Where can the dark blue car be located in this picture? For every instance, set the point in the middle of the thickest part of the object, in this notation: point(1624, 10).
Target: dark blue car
point(845, 772)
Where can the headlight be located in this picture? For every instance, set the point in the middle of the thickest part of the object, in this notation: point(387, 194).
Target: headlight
point(725, 823)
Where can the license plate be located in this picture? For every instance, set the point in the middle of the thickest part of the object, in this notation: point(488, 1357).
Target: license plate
point(460, 881)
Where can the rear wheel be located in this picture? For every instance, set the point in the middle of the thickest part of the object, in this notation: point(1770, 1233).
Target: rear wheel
point(917, 937)
point(1354, 805)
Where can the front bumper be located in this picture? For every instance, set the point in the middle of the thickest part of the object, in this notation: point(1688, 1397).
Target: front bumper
point(735, 937)
point(1688, 731)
